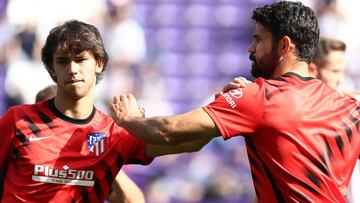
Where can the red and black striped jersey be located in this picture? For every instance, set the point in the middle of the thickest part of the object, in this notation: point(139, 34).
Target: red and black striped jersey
point(302, 137)
point(53, 158)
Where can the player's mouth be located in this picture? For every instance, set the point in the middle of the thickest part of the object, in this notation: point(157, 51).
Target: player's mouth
point(74, 81)
point(252, 57)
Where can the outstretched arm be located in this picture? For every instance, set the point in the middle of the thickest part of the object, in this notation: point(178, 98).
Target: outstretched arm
point(168, 130)
point(160, 150)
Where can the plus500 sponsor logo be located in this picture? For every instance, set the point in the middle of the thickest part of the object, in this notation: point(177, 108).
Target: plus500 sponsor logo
point(44, 173)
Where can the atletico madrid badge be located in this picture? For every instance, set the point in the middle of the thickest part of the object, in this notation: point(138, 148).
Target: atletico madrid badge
point(97, 142)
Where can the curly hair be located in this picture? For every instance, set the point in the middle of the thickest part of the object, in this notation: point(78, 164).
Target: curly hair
point(73, 37)
point(292, 19)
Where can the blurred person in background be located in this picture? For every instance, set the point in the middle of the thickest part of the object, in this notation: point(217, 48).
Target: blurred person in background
point(7, 32)
point(24, 62)
point(64, 149)
point(124, 39)
point(328, 62)
point(46, 93)
point(295, 152)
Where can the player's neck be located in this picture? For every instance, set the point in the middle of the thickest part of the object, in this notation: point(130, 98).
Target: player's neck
point(75, 108)
point(299, 67)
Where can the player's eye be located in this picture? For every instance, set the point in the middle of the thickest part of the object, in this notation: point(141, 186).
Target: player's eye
point(80, 59)
point(62, 61)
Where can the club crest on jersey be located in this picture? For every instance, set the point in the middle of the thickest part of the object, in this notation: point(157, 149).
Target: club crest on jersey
point(97, 142)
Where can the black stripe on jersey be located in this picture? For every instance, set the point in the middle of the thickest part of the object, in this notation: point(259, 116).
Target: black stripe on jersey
point(119, 162)
point(253, 162)
point(354, 120)
point(98, 190)
point(16, 152)
point(21, 136)
point(97, 187)
point(311, 176)
point(34, 129)
point(308, 187)
point(2, 179)
point(256, 182)
point(109, 177)
point(255, 179)
point(45, 119)
point(348, 131)
point(322, 167)
point(302, 196)
point(85, 194)
point(323, 160)
point(278, 194)
point(328, 150)
point(339, 142)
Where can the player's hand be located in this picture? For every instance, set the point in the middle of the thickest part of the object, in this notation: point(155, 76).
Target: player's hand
point(237, 82)
point(125, 106)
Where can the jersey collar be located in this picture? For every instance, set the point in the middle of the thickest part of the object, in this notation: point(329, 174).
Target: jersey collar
point(57, 113)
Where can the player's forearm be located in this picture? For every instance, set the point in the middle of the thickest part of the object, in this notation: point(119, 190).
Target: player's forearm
point(156, 130)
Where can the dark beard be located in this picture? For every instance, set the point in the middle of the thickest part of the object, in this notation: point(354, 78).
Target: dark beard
point(254, 70)
point(265, 70)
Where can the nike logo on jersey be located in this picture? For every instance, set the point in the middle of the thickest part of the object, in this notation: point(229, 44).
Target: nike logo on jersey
point(34, 139)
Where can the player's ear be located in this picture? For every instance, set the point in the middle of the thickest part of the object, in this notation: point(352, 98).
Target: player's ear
point(313, 70)
point(285, 46)
point(99, 65)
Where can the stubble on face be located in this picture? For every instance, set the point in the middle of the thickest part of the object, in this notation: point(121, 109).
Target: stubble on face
point(265, 66)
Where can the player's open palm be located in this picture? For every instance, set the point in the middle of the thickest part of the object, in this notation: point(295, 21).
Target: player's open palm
point(125, 106)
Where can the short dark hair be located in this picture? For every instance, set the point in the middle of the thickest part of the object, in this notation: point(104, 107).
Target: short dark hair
point(324, 47)
point(292, 19)
point(74, 37)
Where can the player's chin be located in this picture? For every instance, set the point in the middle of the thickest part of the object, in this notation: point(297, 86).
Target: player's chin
point(76, 94)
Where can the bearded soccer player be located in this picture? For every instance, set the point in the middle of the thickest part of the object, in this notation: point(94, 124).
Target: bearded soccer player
point(64, 149)
point(302, 136)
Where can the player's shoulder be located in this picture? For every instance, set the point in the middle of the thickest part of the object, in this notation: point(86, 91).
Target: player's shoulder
point(103, 116)
point(25, 108)
point(108, 120)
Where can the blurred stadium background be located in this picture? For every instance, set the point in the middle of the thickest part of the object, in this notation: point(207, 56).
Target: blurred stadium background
point(173, 55)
